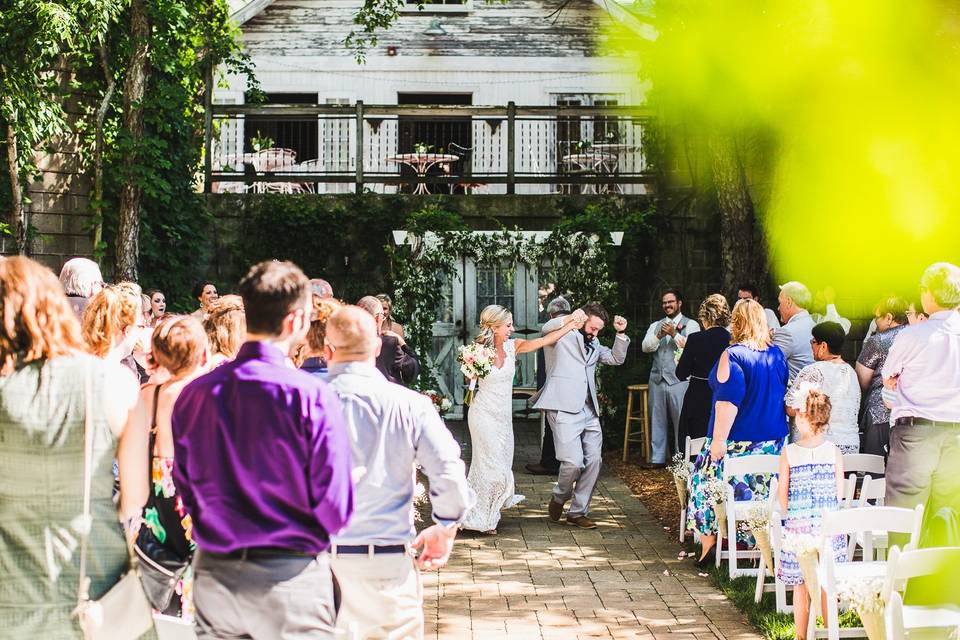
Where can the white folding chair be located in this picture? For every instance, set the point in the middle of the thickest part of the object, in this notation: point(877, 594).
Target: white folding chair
point(173, 628)
point(733, 467)
point(872, 494)
point(900, 619)
point(691, 449)
point(850, 522)
point(864, 463)
point(776, 536)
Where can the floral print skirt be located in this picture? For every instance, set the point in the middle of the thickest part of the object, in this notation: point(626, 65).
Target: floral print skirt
point(700, 514)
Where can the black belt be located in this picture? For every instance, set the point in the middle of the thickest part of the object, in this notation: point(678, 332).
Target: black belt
point(365, 548)
point(261, 552)
point(923, 422)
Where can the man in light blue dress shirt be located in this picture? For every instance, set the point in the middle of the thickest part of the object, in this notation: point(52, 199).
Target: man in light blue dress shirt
point(391, 429)
point(794, 336)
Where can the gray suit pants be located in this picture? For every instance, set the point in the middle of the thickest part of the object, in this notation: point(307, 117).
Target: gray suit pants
point(578, 440)
point(273, 597)
point(666, 400)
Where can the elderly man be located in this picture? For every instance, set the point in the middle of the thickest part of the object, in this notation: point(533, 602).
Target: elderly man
point(320, 288)
point(663, 338)
point(391, 430)
point(548, 465)
point(396, 361)
point(923, 367)
point(81, 279)
point(794, 336)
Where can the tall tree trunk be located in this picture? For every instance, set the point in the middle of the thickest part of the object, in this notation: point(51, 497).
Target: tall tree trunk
point(742, 246)
point(131, 193)
point(18, 214)
point(98, 149)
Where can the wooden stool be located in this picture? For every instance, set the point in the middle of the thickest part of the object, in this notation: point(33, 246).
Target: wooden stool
point(642, 416)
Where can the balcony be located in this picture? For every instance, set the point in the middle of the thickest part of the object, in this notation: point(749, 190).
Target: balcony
point(427, 149)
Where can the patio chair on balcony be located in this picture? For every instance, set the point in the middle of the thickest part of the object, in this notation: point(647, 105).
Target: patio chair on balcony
point(466, 169)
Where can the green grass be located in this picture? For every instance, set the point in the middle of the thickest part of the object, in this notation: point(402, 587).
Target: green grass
point(763, 615)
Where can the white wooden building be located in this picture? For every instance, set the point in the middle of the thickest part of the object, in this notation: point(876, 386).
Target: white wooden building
point(461, 53)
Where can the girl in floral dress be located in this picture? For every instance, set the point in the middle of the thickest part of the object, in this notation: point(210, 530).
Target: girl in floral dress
point(179, 347)
point(811, 483)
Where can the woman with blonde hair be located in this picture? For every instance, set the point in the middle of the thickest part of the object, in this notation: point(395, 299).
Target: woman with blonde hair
point(51, 392)
point(180, 347)
point(226, 327)
point(389, 324)
point(310, 357)
point(747, 418)
point(491, 416)
point(113, 326)
point(699, 355)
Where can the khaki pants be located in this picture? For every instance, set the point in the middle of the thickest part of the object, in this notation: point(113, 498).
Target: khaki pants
point(381, 596)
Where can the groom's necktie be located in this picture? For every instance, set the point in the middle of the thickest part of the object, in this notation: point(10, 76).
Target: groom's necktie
point(588, 344)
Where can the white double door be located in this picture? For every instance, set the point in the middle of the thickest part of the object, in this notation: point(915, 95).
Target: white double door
point(517, 287)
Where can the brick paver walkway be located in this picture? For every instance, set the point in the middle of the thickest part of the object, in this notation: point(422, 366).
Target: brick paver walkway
point(539, 579)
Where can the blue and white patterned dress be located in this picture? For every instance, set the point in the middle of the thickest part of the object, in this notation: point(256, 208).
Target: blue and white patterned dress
point(812, 492)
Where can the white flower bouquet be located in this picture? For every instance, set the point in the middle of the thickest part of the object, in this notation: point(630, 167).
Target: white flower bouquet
point(865, 597)
point(440, 402)
point(807, 549)
point(756, 520)
point(680, 470)
point(476, 362)
point(677, 355)
point(715, 492)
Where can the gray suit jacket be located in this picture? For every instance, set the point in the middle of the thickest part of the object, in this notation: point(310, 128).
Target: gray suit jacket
point(571, 372)
point(793, 338)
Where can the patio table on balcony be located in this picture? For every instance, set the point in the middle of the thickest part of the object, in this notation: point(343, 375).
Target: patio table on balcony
point(600, 162)
point(422, 163)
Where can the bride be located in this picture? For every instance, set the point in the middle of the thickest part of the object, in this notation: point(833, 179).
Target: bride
point(491, 417)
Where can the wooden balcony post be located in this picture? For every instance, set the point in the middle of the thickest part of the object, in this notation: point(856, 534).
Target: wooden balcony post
point(359, 178)
point(207, 128)
point(511, 145)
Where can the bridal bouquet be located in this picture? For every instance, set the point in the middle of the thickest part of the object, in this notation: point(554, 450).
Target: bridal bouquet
point(440, 402)
point(476, 362)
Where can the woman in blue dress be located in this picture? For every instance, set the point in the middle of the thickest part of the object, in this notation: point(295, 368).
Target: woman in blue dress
point(747, 418)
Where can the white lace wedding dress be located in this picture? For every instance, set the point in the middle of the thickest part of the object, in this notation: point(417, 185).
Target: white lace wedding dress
point(491, 433)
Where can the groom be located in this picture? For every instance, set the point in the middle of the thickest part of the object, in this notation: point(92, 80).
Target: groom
point(569, 399)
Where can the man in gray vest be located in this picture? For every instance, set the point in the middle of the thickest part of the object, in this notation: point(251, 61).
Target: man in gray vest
point(663, 339)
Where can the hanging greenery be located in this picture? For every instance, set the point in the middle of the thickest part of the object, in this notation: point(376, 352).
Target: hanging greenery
point(580, 261)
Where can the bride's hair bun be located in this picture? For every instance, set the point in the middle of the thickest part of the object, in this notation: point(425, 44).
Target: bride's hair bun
point(491, 317)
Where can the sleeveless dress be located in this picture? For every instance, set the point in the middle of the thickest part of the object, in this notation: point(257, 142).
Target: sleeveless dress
point(491, 433)
point(168, 520)
point(812, 492)
point(41, 487)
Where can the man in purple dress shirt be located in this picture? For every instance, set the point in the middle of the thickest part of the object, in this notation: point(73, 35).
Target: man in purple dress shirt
point(262, 462)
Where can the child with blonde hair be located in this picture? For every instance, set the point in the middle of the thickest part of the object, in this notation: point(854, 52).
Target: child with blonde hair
point(811, 484)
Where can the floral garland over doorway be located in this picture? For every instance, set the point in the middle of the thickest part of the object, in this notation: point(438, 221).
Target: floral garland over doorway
point(582, 264)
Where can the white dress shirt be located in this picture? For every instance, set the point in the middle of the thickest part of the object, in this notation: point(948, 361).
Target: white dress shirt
point(391, 428)
point(926, 357)
point(793, 338)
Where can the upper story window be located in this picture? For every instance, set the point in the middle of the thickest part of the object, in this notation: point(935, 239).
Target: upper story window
point(437, 6)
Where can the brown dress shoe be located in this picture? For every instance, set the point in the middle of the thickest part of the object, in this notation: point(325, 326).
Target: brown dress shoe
point(581, 521)
point(555, 509)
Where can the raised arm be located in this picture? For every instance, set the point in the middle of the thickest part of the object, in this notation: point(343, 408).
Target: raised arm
point(571, 322)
